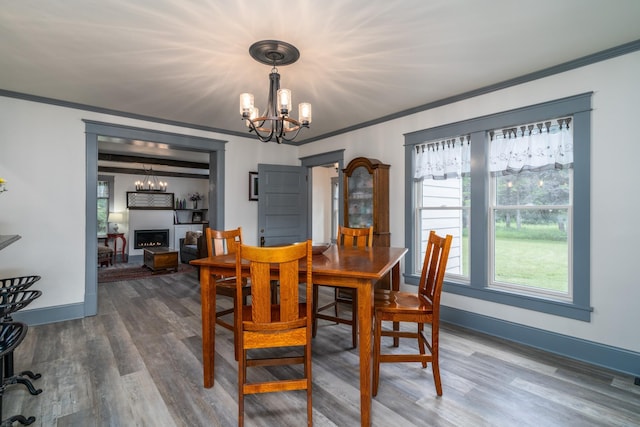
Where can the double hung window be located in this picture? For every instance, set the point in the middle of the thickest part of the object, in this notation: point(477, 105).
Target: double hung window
point(442, 195)
point(530, 199)
point(513, 190)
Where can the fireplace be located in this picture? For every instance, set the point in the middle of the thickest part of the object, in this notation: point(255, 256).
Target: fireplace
point(150, 238)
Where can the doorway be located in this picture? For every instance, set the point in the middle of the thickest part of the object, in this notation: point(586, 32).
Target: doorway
point(94, 131)
point(324, 202)
point(333, 160)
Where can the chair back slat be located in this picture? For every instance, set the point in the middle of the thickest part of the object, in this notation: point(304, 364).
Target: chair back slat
point(260, 294)
point(289, 290)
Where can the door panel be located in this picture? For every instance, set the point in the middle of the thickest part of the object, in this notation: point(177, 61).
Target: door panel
point(282, 204)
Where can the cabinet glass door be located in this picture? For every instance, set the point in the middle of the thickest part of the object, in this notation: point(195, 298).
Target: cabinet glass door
point(360, 198)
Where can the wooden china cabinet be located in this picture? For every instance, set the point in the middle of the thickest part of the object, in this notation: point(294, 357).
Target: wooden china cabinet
point(366, 197)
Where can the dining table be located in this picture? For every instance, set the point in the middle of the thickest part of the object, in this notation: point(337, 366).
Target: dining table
point(357, 268)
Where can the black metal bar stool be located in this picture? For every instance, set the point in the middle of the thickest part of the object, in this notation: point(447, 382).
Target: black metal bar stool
point(11, 335)
point(12, 284)
point(10, 302)
point(18, 283)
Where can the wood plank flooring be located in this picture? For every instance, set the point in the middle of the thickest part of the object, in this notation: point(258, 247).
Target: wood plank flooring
point(138, 363)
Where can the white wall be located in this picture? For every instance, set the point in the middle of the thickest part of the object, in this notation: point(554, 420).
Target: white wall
point(615, 234)
point(42, 157)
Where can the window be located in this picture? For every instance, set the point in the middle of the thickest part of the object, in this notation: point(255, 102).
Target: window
point(442, 195)
point(105, 203)
point(515, 201)
point(530, 208)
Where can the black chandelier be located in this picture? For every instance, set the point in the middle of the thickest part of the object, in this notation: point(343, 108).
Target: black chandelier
point(275, 123)
point(150, 182)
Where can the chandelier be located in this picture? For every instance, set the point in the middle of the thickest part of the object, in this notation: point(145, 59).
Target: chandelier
point(150, 182)
point(275, 122)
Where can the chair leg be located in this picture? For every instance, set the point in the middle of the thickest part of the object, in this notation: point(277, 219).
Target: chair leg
point(421, 344)
point(315, 311)
point(307, 369)
point(241, 380)
point(236, 309)
point(376, 354)
point(435, 365)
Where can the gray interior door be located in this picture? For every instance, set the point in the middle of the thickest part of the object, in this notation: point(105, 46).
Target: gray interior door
point(282, 204)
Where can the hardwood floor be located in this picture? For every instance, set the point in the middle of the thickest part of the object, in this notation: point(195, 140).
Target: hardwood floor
point(138, 363)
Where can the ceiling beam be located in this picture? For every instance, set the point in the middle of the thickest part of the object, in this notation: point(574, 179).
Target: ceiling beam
point(130, 171)
point(152, 161)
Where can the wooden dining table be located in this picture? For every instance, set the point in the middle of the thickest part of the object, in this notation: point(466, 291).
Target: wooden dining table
point(357, 268)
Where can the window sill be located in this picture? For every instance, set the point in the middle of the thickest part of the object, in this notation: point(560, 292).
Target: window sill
point(558, 308)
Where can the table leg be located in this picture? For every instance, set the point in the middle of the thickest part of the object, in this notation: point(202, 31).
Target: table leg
point(208, 302)
point(364, 322)
point(395, 286)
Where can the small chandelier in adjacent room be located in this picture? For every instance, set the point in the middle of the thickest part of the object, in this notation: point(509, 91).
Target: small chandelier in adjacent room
point(275, 122)
point(150, 182)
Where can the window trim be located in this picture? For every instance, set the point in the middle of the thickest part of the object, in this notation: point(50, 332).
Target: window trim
point(578, 106)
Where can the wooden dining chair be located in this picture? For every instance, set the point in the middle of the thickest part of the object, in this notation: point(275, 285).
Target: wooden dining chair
point(220, 243)
point(420, 308)
point(268, 325)
point(356, 237)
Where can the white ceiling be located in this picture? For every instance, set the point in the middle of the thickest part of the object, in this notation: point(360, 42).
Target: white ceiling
point(361, 60)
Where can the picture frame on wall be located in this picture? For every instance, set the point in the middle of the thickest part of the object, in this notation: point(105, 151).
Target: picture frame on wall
point(253, 186)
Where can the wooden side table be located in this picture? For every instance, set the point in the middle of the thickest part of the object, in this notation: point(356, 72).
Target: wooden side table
point(161, 258)
point(115, 237)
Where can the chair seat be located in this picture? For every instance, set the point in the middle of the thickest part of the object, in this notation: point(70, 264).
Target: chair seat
point(227, 286)
point(104, 250)
point(399, 302)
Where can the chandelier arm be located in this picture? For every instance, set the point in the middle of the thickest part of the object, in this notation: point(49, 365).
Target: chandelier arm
point(253, 128)
point(294, 135)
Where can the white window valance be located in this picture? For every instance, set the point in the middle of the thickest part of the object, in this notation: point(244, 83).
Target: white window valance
point(531, 147)
point(444, 159)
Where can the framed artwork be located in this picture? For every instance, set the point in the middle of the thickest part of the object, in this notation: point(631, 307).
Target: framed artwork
point(196, 217)
point(253, 185)
point(149, 200)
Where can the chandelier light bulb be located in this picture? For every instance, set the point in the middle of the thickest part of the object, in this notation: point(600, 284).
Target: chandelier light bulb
point(254, 113)
point(284, 101)
point(246, 104)
point(304, 113)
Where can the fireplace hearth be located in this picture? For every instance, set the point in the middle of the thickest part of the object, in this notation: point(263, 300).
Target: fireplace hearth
point(150, 238)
